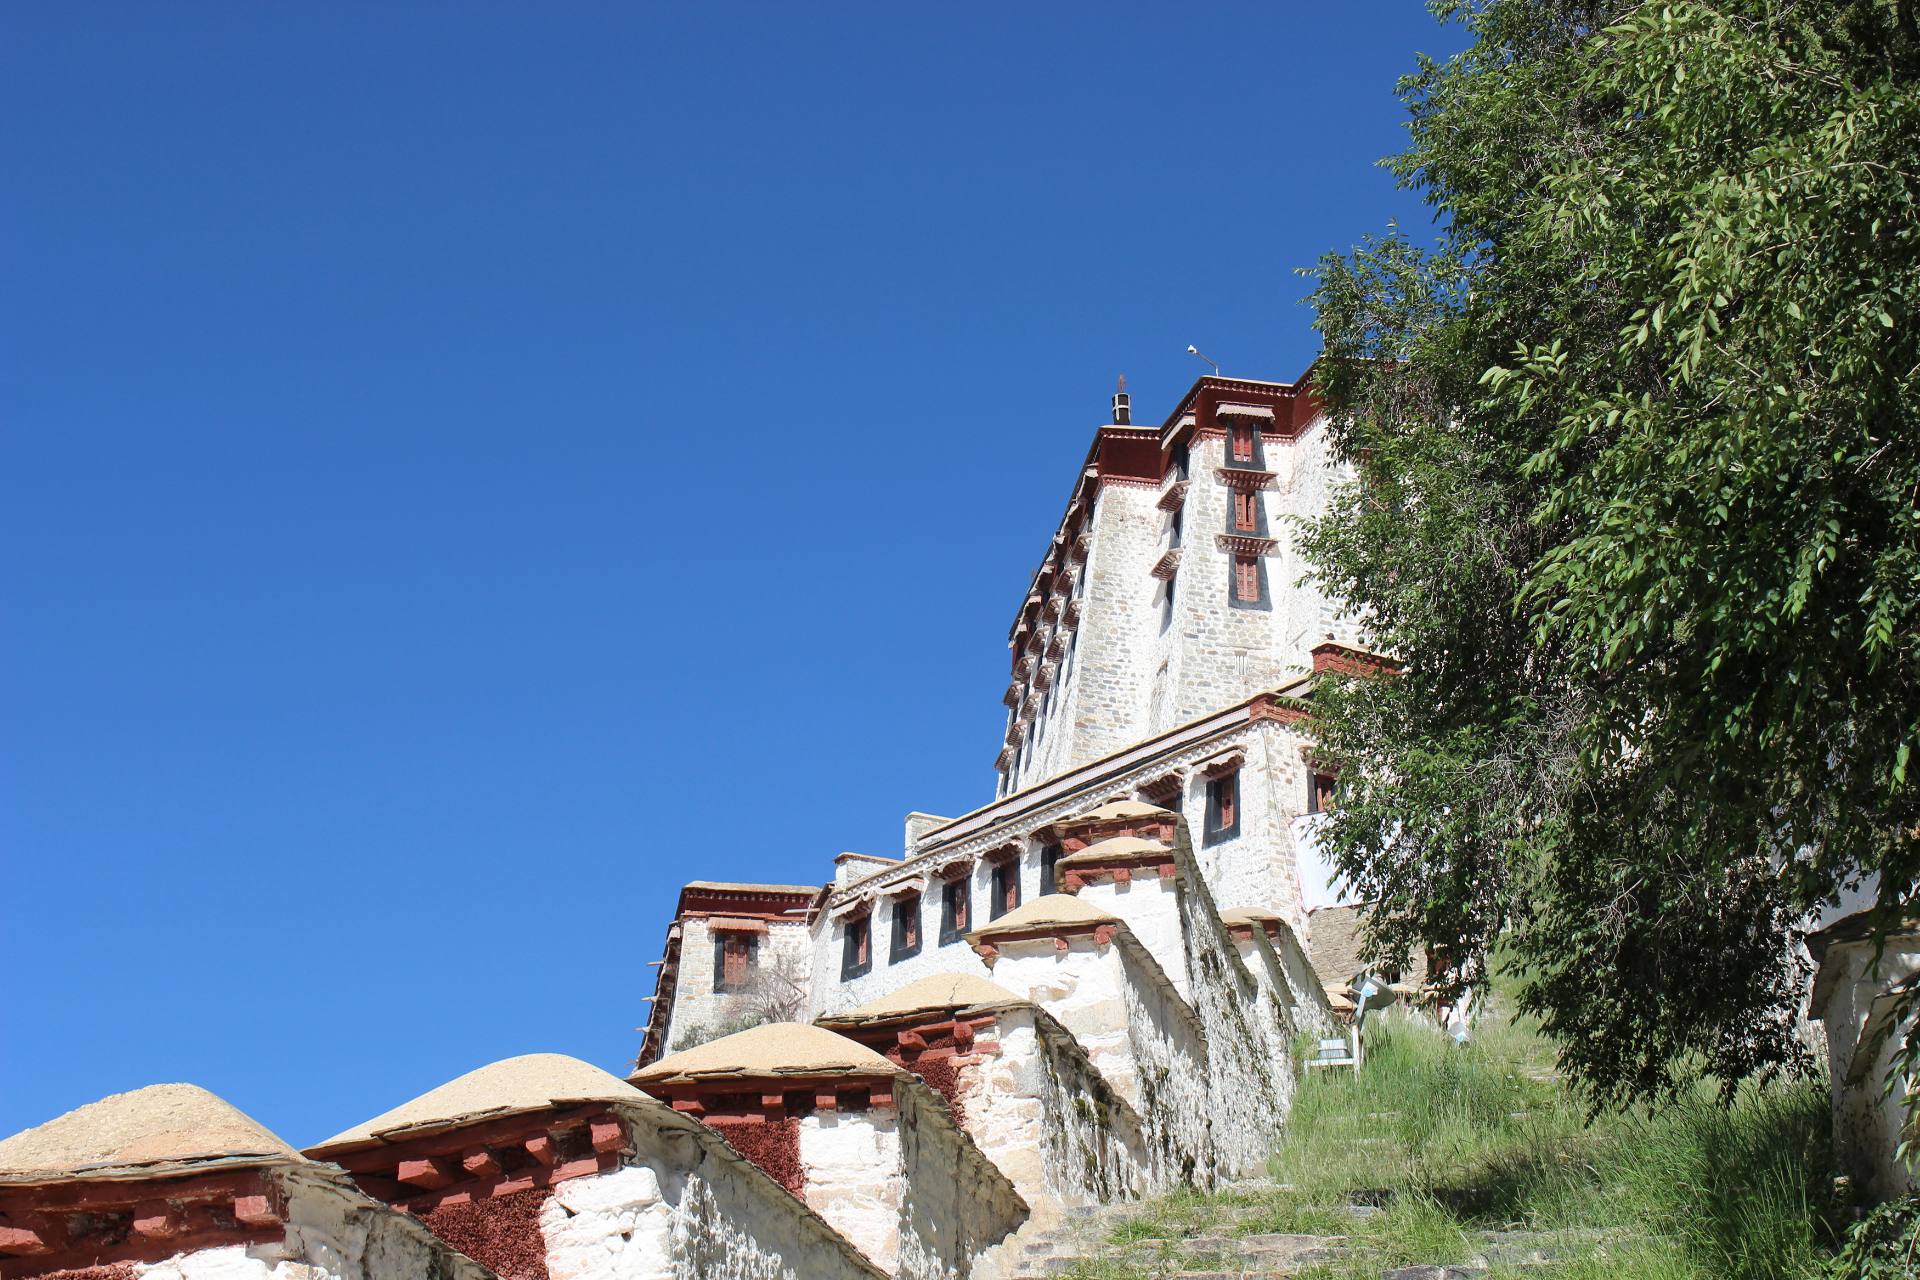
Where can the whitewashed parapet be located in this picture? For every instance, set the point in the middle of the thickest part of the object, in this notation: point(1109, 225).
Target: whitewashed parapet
point(1019, 1083)
point(865, 1144)
point(1086, 969)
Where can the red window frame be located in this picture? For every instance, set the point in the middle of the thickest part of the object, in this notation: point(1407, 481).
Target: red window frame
point(1229, 799)
point(1246, 511)
point(1246, 578)
point(735, 950)
point(1242, 443)
point(1004, 885)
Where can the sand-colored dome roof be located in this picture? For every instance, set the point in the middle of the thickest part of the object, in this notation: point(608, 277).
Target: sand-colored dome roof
point(1115, 810)
point(1116, 847)
point(1048, 909)
point(936, 991)
point(1247, 915)
point(531, 1082)
point(777, 1049)
point(161, 1128)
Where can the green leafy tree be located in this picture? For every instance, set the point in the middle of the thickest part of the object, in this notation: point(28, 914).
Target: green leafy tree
point(1638, 507)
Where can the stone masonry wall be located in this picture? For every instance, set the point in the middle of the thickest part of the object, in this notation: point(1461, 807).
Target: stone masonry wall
point(1042, 1113)
point(683, 1207)
point(1867, 1119)
point(1281, 966)
point(1254, 869)
point(1117, 623)
point(700, 1013)
point(1250, 1075)
point(1123, 674)
point(1260, 866)
point(958, 1208)
point(855, 1179)
point(1136, 1031)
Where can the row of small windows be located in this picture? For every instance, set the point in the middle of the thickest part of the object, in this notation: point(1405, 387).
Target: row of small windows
point(956, 915)
point(956, 896)
point(735, 954)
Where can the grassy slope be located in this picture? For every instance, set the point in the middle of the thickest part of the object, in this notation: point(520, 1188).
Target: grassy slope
point(1457, 1142)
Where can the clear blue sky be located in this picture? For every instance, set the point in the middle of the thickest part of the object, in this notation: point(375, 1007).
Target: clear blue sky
point(468, 469)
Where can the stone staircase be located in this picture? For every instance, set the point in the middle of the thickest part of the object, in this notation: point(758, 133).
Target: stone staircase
point(1085, 1246)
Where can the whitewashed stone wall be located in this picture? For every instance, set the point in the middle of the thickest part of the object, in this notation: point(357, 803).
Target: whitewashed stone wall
point(831, 994)
point(1250, 1074)
point(700, 1013)
point(1108, 689)
point(896, 1184)
point(1040, 1110)
point(1303, 491)
point(1256, 868)
point(1281, 967)
point(682, 1206)
point(959, 1207)
point(855, 1178)
point(1136, 1031)
point(1151, 908)
point(1126, 676)
point(1867, 1120)
point(1260, 866)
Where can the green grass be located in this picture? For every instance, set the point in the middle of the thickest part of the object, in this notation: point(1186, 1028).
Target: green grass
point(1455, 1142)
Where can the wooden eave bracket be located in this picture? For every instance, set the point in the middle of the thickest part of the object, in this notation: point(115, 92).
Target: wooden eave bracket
point(1167, 565)
point(1245, 477)
point(1175, 495)
point(1240, 544)
point(1224, 764)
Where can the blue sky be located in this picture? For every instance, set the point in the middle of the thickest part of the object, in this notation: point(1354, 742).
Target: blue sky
point(465, 470)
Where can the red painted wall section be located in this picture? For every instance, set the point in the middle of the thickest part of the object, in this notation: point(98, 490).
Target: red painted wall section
point(773, 1145)
point(117, 1271)
point(942, 1074)
point(501, 1233)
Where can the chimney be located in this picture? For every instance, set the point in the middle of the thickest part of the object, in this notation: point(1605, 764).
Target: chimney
point(1122, 404)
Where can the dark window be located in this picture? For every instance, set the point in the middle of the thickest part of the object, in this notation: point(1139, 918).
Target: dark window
point(1006, 888)
point(1246, 578)
point(1175, 527)
point(1166, 603)
point(1246, 511)
point(1180, 463)
point(906, 928)
point(956, 908)
point(1223, 807)
point(733, 955)
point(857, 957)
point(1050, 855)
point(1319, 792)
point(1242, 444)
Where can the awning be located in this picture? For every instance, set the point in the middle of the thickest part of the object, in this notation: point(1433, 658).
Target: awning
point(735, 924)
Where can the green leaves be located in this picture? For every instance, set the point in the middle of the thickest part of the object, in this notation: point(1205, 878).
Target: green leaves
point(1639, 448)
